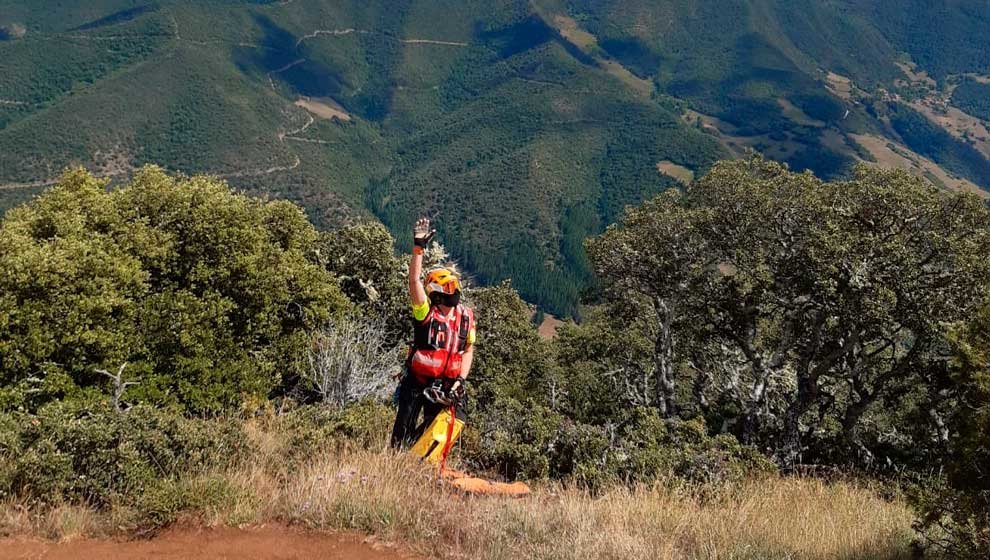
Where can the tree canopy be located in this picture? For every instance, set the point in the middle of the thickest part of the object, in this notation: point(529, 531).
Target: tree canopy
point(204, 293)
point(798, 308)
point(956, 512)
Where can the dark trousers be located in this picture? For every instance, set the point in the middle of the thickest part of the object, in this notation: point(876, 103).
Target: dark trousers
point(411, 402)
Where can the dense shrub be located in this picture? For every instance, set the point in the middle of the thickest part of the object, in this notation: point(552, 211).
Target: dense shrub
point(820, 106)
point(537, 412)
point(97, 455)
point(511, 361)
point(362, 258)
point(531, 441)
point(314, 429)
point(207, 294)
point(806, 317)
point(974, 98)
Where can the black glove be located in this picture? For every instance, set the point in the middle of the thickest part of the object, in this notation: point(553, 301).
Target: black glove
point(422, 234)
point(458, 391)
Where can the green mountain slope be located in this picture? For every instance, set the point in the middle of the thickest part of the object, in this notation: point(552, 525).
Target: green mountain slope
point(483, 115)
point(521, 126)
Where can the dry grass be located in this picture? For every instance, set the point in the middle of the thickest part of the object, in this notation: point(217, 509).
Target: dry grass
point(324, 109)
point(678, 172)
point(840, 85)
point(64, 522)
point(397, 499)
point(548, 328)
point(957, 123)
point(916, 75)
point(778, 518)
point(904, 158)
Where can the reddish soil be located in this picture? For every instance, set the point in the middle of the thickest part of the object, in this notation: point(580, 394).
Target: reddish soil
point(259, 543)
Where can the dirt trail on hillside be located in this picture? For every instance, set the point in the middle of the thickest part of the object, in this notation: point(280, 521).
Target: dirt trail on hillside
point(270, 542)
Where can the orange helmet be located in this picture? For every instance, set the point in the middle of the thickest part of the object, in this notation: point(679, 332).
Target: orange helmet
point(442, 280)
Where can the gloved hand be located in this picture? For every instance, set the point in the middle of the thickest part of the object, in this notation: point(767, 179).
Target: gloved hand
point(422, 233)
point(457, 390)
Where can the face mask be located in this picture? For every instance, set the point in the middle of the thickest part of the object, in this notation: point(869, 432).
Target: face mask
point(448, 300)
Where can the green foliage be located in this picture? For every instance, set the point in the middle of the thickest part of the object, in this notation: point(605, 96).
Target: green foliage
point(956, 510)
point(520, 140)
point(800, 314)
point(572, 160)
point(804, 317)
point(37, 78)
point(207, 294)
point(145, 466)
point(821, 107)
point(530, 415)
point(363, 260)
point(636, 446)
point(943, 39)
point(511, 361)
point(313, 429)
point(93, 453)
point(974, 98)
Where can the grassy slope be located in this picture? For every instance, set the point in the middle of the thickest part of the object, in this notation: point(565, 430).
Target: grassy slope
point(751, 62)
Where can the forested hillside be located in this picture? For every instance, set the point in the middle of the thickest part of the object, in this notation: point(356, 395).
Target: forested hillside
point(521, 126)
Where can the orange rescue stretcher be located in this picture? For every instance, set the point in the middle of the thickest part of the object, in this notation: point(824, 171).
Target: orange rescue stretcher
point(434, 446)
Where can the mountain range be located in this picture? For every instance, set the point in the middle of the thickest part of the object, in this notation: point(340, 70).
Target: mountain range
point(521, 127)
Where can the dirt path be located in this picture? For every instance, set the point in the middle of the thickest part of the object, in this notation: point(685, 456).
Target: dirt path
point(433, 42)
point(260, 172)
point(350, 30)
point(271, 542)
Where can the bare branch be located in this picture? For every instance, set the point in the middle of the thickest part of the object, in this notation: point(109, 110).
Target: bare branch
point(350, 360)
point(119, 385)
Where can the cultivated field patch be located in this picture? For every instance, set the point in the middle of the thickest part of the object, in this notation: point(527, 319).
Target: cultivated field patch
point(323, 108)
point(839, 85)
point(891, 154)
point(679, 172)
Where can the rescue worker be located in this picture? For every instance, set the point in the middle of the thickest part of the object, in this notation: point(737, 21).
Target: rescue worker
point(442, 350)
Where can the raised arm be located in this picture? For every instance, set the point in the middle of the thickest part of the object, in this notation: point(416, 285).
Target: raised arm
point(422, 235)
